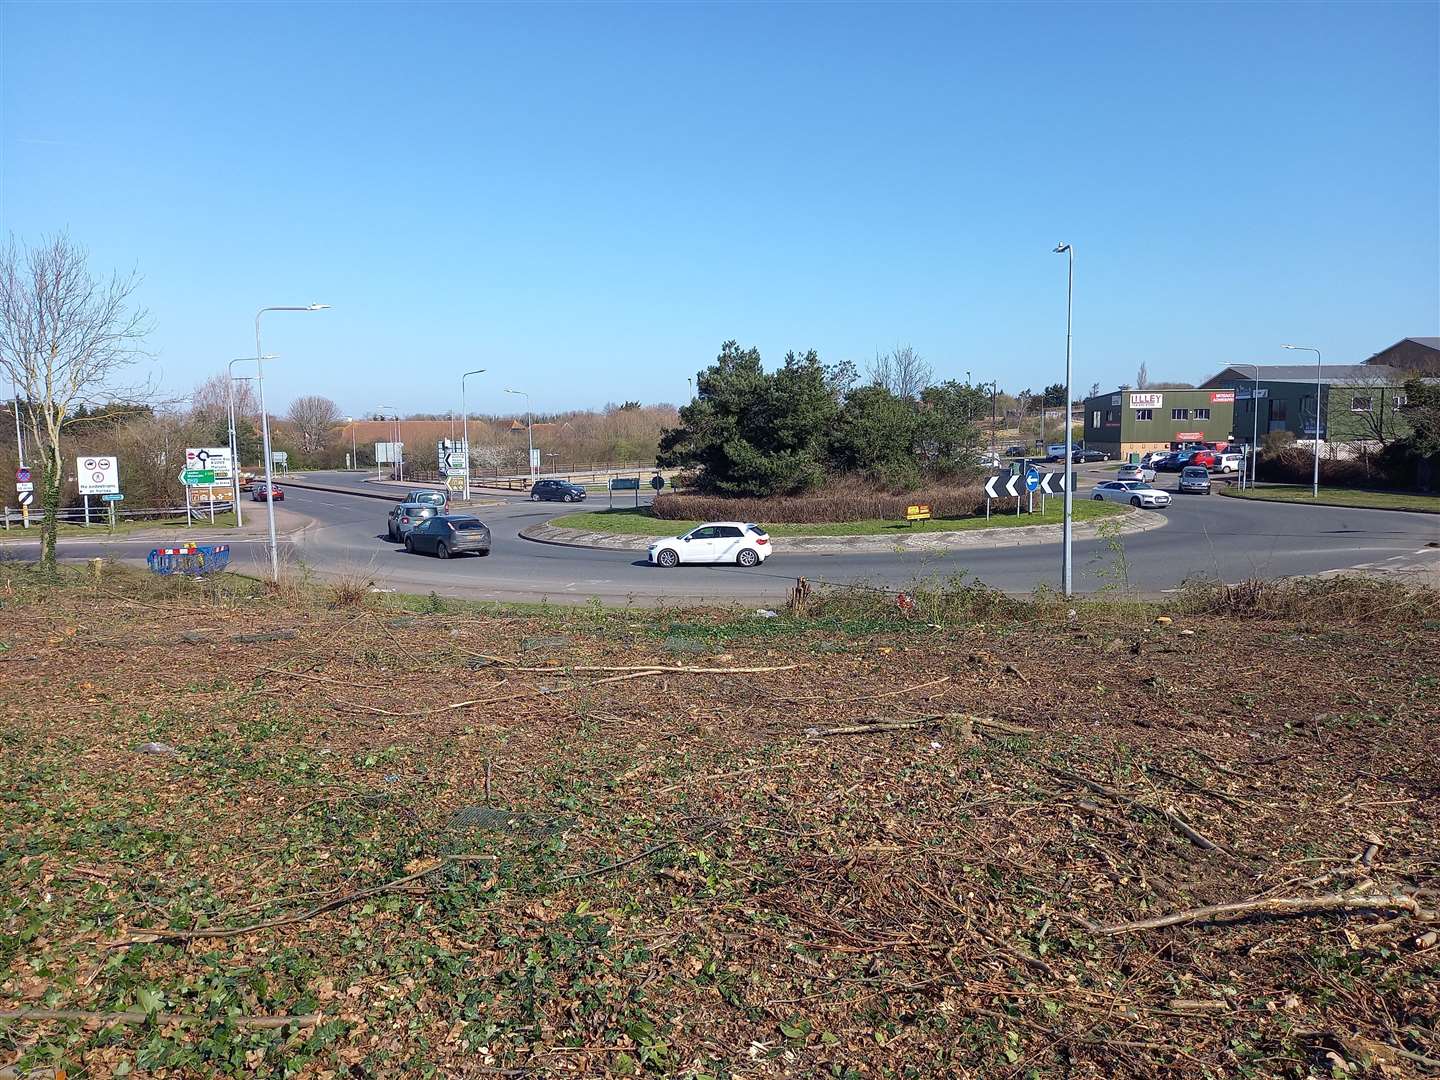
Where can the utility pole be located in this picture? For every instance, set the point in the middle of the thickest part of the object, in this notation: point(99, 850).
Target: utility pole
point(1065, 566)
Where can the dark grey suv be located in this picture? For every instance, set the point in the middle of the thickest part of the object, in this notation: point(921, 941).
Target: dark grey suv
point(449, 534)
point(556, 491)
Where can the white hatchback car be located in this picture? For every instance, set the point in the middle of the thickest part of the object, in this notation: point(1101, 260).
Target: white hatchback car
point(714, 542)
point(1132, 492)
point(1144, 473)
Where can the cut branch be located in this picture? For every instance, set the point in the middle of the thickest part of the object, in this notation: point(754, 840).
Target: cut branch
point(1280, 905)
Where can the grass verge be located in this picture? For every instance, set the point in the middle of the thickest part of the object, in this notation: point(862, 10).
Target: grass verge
point(642, 523)
point(1333, 496)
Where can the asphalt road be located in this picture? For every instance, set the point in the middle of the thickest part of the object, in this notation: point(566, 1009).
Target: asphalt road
point(1205, 537)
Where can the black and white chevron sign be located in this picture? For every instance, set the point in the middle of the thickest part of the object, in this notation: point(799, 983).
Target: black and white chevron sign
point(1008, 485)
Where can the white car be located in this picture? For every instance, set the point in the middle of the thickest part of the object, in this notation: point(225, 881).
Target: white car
point(1131, 491)
point(736, 542)
point(1228, 463)
point(1143, 473)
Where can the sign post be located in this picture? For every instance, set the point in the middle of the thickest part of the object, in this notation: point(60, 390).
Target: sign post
point(25, 492)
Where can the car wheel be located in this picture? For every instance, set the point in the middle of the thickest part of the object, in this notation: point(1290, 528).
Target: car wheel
point(1134, 500)
point(567, 497)
point(534, 497)
point(1099, 498)
point(668, 558)
point(483, 553)
point(409, 546)
point(441, 551)
point(747, 557)
point(390, 531)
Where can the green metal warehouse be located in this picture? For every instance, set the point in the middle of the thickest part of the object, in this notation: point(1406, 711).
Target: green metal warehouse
point(1133, 421)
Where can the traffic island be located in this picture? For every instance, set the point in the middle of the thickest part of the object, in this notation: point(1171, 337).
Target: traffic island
point(621, 530)
point(1353, 498)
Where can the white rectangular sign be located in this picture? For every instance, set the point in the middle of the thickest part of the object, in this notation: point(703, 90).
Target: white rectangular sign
point(98, 474)
point(1146, 401)
point(214, 458)
point(388, 453)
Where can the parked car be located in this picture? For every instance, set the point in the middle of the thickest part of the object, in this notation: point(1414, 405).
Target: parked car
point(257, 492)
point(714, 542)
point(444, 535)
point(1207, 459)
point(405, 516)
point(1132, 492)
point(1143, 473)
point(1174, 462)
point(1194, 480)
point(1084, 457)
point(1014, 451)
point(556, 491)
point(427, 497)
point(1228, 463)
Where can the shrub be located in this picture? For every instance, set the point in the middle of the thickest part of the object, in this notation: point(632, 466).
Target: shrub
point(838, 501)
point(1296, 465)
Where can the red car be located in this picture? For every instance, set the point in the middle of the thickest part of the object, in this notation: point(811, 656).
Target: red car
point(1205, 458)
point(257, 493)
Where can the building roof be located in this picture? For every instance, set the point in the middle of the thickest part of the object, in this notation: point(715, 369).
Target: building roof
point(1303, 373)
point(1432, 343)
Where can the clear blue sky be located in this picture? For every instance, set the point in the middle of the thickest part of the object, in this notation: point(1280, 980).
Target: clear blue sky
point(588, 199)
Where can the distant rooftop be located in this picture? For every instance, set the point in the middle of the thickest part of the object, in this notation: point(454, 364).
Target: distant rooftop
point(1301, 373)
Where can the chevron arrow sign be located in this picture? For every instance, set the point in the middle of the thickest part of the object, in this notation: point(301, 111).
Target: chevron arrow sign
point(1004, 486)
point(1052, 483)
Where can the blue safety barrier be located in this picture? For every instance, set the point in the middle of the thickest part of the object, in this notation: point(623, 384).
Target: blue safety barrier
point(190, 559)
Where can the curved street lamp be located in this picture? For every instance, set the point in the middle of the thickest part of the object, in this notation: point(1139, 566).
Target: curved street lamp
point(1315, 480)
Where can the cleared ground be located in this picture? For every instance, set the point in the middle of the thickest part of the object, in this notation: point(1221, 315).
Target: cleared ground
point(642, 523)
point(877, 837)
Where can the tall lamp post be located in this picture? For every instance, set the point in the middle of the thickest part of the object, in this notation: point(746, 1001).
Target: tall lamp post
point(1315, 480)
point(529, 432)
point(1065, 568)
point(265, 429)
point(354, 455)
point(465, 425)
point(234, 435)
point(381, 409)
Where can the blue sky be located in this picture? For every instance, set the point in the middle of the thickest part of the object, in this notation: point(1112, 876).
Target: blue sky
point(588, 199)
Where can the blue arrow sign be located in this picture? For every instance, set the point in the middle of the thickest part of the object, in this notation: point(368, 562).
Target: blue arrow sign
point(117, 497)
point(1032, 479)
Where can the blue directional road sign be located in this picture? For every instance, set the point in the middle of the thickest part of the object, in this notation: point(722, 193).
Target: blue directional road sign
point(1032, 480)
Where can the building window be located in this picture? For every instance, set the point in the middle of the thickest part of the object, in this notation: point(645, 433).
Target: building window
point(1112, 416)
point(1277, 409)
point(1399, 401)
point(1095, 419)
point(1179, 414)
point(1361, 403)
point(1143, 414)
point(1202, 414)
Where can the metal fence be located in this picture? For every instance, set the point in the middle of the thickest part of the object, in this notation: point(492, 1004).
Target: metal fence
point(99, 516)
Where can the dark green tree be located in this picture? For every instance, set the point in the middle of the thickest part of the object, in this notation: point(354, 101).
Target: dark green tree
point(876, 433)
point(1055, 396)
point(948, 434)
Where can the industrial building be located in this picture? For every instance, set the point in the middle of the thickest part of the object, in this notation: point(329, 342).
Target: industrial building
point(1128, 421)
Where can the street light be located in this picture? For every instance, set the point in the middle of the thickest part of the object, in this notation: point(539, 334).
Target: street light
point(465, 424)
point(234, 435)
point(1315, 481)
point(354, 456)
point(265, 429)
point(529, 432)
point(1065, 580)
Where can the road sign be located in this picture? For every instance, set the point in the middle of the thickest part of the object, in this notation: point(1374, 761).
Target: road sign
point(1032, 480)
point(22, 475)
point(625, 483)
point(24, 485)
point(116, 497)
point(455, 483)
point(1006, 485)
point(657, 481)
point(917, 512)
point(26, 498)
point(1052, 483)
point(1248, 392)
point(192, 477)
point(98, 475)
point(214, 458)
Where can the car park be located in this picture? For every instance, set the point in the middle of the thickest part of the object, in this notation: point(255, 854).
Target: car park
point(257, 492)
point(1207, 459)
point(446, 535)
point(1143, 473)
point(1174, 462)
point(405, 516)
point(556, 491)
point(1132, 492)
point(1228, 463)
point(739, 542)
point(1194, 480)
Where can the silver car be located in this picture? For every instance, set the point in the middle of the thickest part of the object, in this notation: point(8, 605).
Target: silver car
point(1194, 479)
point(406, 516)
point(1143, 473)
point(1130, 491)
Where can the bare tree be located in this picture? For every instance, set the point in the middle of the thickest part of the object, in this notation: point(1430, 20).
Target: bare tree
point(1142, 377)
point(65, 336)
point(210, 401)
point(902, 371)
point(314, 419)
